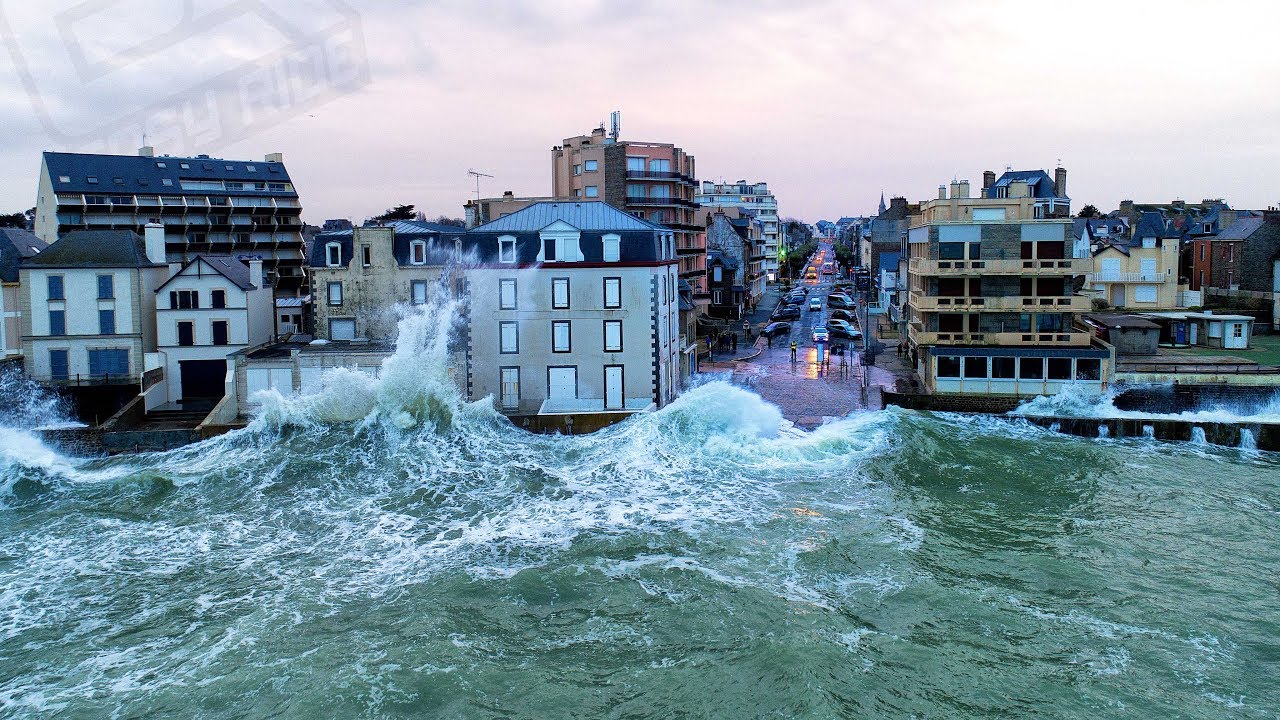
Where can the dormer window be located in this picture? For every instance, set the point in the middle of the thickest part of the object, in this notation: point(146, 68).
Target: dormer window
point(506, 249)
point(560, 248)
point(64, 178)
point(612, 248)
point(333, 254)
point(1208, 227)
point(418, 252)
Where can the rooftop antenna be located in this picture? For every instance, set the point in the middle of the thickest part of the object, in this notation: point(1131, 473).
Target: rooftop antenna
point(477, 175)
point(615, 124)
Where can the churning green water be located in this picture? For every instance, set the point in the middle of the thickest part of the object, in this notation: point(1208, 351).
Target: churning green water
point(702, 561)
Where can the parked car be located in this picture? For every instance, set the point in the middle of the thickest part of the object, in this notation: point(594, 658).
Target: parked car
point(820, 334)
point(786, 312)
point(840, 301)
point(774, 329)
point(843, 329)
point(815, 304)
point(842, 314)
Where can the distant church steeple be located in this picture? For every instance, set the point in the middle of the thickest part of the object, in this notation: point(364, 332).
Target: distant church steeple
point(882, 207)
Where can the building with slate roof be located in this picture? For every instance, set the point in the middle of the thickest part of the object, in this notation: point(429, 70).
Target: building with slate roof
point(574, 315)
point(1048, 195)
point(16, 245)
point(363, 275)
point(1134, 273)
point(206, 205)
point(89, 307)
point(211, 307)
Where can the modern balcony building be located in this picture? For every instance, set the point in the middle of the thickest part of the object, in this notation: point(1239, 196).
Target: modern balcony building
point(753, 198)
point(992, 302)
point(206, 205)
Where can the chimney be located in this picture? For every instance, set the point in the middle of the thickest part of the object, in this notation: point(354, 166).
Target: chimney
point(1271, 216)
point(508, 194)
point(255, 272)
point(146, 151)
point(964, 188)
point(274, 157)
point(1060, 181)
point(955, 189)
point(942, 192)
point(1126, 206)
point(988, 179)
point(153, 233)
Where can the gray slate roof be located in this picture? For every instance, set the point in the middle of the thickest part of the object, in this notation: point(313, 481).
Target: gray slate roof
point(144, 175)
point(1241, 229)
point(229, 267)
point(95, 248)
point(17, 245)
point(585, 215)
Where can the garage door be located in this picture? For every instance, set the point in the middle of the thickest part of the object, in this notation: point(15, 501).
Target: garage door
point(203, 378)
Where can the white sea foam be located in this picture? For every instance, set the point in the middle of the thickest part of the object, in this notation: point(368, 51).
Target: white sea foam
point(1083, 402)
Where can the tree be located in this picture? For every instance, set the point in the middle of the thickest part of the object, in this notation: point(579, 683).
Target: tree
point(399, 212)
point(14, 220)
point(455, 222)
point(1089, 211)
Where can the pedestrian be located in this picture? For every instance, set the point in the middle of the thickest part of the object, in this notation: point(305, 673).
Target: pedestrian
point(793, 351)
point(735, 343)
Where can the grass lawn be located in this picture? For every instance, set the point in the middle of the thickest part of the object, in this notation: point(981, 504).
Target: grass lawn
point(1264, 350)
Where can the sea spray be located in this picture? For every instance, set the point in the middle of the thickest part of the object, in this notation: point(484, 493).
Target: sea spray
point(26, 404)
point(1082, 401)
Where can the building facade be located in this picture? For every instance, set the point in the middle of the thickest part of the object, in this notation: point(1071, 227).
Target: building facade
point(16, 245)
point(206, 205)
point(736, 237)
point(361, 277)
point(573, 313)
point(992, 305)
point(756, 199)
point(1138, 273)
point(88, 315)
point(211, 307)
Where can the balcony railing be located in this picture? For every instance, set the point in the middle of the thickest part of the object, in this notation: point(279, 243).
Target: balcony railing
point(660, 175)
point(1127, 277)
point(1016, 303)
point(646, 200)
point(1068, 266)
point(1070, 338)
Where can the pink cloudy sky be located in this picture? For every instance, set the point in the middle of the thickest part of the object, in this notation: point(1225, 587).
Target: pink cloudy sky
point(830, 102)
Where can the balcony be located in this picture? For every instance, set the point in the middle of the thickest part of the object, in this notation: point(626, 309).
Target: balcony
point(661, 175)
point(1014, 303)
point(964, 268)
point(667, 201)
point(1126, 277)
point(1065, 338)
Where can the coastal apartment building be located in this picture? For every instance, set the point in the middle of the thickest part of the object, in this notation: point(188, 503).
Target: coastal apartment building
point(206, 205)
point(992, 302)
point(756, 199)
point(361, 277)
point(16, 245)
point(89, 315)
point(573, 314)
point(1138, 272)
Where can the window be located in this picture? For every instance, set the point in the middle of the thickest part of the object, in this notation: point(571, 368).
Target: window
point(612, 248)
point(591, 165)
point(418, 292)
point(561, 341)
point(184, 300)
point(951, 251)
point(1088, 369)
point(342, 329)
point(366, 256)
point(1145, 293)
point(510, 388)
point(948, 366)
point(1003, 368)
point(57, 322)
point(577, 192)
point(659, 166)
point(1202, 246)
point(185, 166)
point(635, 164)
point(717, 296)
point(186, 333)
point(506, 249)
point(1031, 368)
point(975, 367)
point(335, 293)
point(1231, 252)
point(333, 254)
point(106, 322)
point(218, 299)
point(1237, 330)
point(56, 290)
point(64, 178)
point(92, 180)
point(251, 168)
point(637, 190)
point(114, 361)
point(1231, 278)
point(613, 336)
point(612, 293)
point(508, 338)
point(1059, 368)
point(1049, 322)
point(507, 294)
point(561, 249)
point(219, 332)
point(592, 191)
point(106, 287)
point(717, 274)
point(560, 293)
point(418, 253)
point(166, 181)
point(577, 169)
point(59, 366)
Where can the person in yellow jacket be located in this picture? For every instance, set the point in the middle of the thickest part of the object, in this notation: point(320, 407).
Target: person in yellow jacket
point(793, 351)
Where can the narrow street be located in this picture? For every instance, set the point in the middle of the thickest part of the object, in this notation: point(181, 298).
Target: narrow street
point(810, 393)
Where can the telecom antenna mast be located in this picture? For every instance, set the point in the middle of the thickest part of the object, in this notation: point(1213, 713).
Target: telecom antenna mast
point(615, 124)
point(477, 175)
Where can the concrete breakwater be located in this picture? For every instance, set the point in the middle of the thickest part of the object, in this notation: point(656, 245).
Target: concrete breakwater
point(1259, 436)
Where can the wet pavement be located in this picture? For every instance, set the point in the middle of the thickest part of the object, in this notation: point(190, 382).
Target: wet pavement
point(808, 392)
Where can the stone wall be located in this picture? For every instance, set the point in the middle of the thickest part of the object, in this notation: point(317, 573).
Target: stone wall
point(986, 404)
